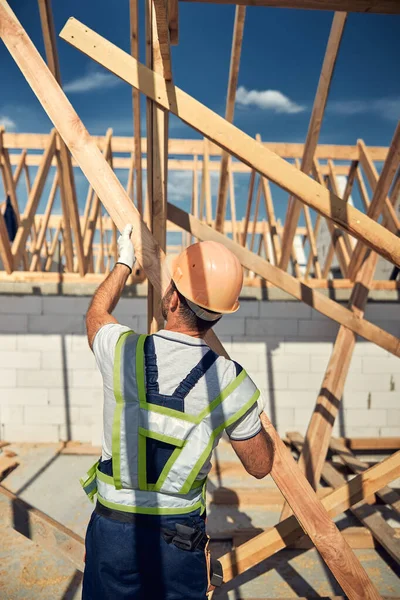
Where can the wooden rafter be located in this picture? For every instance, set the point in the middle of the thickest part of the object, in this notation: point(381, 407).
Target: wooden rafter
point(67, 182)
point(309, 510)
point(158, 58)
point(314, 128)
point(286, 282)
point(137, 157)
point(327, 406)
point(232, 139)
point(380, 186)
point(229, 111)
point(390, 7)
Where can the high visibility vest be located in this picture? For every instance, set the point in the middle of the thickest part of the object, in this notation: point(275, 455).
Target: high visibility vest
point(158, 450)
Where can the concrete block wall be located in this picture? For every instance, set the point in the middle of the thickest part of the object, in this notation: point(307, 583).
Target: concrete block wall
point(50, 389)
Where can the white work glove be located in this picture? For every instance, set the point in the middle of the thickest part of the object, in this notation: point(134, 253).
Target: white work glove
point(126, 253)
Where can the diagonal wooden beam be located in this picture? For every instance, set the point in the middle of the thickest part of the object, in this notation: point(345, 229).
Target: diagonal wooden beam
point(286, 282)
point(266, 544)
point(308, 509)
point(44, 224)
point(310, 236)
point(67, 181)
point(18, 246)
point(5, 247)
point(390, 7)
point(229, 137)
point(314, 128)
point(137, 157)
point(236, 51)
point(387, 494)
point(320, 428)
point(368, 515)
point(380, 186)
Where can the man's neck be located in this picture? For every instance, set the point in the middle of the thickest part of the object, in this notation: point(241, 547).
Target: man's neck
point(179, 328)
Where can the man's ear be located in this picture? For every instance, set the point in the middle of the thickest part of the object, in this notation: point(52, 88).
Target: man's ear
point(174, 302)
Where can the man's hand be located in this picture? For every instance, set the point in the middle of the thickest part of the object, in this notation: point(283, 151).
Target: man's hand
point(125, 248)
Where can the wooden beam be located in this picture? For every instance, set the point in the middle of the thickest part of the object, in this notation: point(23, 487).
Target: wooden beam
point(20, 167)
point(157, 148)
point(49, 38)
point(137, 157)
point(5, 247)
point(44, 224)
point(367, 514)
point(248, 208)
point(174, 164)
point(67, 182)
point(380, 186)
point(162, 32)
point(173, 21)
point(307, 507)
point(53, 247)
point(326, 409)
point(177, 146)
point(236, 51)
point(269, 209)
point(286, 282)
point(357, 466)
point(335, 241)
point(42, 529)
point(310, 236)
point(314, 128)
point(287, 532)
point(390, 7)
point(90, 229)
point(18, 246)
point(232, 203)
point(232, 139)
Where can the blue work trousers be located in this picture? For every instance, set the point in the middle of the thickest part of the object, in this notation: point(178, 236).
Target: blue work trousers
point(132, 561)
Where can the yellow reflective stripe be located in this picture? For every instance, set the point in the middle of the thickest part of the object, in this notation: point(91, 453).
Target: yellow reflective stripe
point(166, 469)
point(169, 412)
point(142, 467)
point(119, 399)
point(105, 478)
point(193, 474)
point(161, 437)
point(156, 510)
point(224, 394)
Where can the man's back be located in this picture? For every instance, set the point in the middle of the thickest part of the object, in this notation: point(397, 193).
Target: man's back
point(176, 355)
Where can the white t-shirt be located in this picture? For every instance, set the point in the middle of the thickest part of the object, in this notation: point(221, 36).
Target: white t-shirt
point(177, 354)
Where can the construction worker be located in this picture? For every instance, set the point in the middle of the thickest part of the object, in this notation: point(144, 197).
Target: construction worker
point(167, 400)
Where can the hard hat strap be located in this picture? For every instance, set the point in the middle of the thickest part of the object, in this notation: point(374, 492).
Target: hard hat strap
point(202, 313)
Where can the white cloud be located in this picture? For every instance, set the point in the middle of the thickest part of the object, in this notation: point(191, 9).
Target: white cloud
point(387, 108)
point(8, 123)
point(180, 185)
point(268, 100)
point(94, 80)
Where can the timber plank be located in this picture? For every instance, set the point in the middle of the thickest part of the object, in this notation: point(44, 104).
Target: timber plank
point(232, 139)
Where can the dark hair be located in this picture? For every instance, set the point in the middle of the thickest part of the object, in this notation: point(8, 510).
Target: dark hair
point(189, 317)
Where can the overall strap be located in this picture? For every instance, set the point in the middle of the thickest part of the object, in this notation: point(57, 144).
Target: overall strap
point(151, 367)
point(195, 374)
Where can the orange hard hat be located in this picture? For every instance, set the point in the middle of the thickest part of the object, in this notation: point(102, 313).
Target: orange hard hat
point(209, 276)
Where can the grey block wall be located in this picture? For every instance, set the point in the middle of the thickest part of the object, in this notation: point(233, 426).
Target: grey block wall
point(50, 389)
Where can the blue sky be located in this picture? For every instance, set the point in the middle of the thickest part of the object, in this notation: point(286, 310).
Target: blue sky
point(281, 61)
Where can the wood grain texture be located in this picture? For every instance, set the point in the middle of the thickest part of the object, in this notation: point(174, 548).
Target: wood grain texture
point(314, 128)
point(232, 139)
point(286, 282)
point(236, 51)
point(287, 532)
